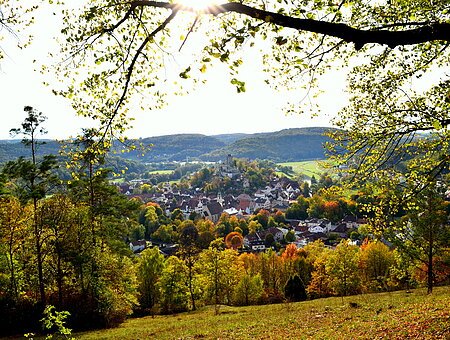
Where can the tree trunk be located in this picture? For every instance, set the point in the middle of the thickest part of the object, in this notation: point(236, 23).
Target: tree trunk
point(191, 289)
point(430, 264)
point(60, 276)
point(13, 281)
point(37, 235)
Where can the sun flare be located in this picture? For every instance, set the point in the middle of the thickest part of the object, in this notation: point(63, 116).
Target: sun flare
point(197, 5)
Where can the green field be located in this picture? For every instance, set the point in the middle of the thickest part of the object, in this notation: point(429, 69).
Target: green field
point(161, 172)
point(308, 168)
point(397, 315)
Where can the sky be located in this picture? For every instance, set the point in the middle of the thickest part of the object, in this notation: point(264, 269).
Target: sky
point(212, 109)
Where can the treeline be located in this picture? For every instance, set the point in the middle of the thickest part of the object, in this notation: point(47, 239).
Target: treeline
point(63, 240)
point(221, 276)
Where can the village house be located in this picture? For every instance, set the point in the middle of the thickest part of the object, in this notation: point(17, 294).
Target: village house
point(212, 211)
point(277, 233)
point(254, 242)
point(138, 246)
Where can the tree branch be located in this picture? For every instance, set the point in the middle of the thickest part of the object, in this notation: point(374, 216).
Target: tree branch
point(131, 68)
point(427, 32)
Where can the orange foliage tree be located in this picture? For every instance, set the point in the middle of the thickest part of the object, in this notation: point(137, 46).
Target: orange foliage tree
point(234, 240)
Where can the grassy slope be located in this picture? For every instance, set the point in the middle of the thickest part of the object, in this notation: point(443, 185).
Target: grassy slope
point(397, 315)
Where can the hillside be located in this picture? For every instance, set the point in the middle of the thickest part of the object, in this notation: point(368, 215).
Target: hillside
point(180, 147)
point(281, 146)
point(396, 315)
point(13, 149)
point(231, 138)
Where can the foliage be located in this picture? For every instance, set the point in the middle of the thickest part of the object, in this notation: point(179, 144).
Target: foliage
point(320, 284)
point(220, 270)
point(14, 224)
point(114, 287)
point(342, 267)
point(375, 261)
point(54, 320)
point(15, 17)
point(416, 224)
point(249, 290)
point(295, 289)
point(172, 283)
point(234, 240)
point(150, 266)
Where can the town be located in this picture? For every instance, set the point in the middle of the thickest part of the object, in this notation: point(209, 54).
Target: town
point(275, 198)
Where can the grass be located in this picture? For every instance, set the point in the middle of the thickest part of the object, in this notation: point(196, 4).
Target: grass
point(308, 168)
point(161, 172)
point(397, 315)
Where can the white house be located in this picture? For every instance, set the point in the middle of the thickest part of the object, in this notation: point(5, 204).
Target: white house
point(138, 246)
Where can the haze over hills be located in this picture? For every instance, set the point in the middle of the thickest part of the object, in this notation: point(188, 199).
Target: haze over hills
point(286, 145)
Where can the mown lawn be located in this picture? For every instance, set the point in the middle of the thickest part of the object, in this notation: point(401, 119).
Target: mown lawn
point(397, 315)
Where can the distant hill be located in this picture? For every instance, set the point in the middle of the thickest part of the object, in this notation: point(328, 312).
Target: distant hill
point(231, 137)
point(13, 149)
point(282, 146)
point(181, 147)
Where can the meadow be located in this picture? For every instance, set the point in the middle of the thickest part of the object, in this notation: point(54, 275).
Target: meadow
point(394, 315)
point(161, 172)
point(308, 168)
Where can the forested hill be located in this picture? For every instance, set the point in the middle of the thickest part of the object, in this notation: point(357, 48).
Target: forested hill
point(13, 149)
point(282, 146)
point(285, 145)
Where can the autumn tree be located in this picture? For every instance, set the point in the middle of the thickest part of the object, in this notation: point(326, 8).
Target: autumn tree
point(221, 272)
point(248, 290)
point(114, 288)
point(149, 268)
point(57, 216)
point(174, 291)
point(290, 236)
point(342, 267)
point(32, 179)
point(271, 273)
point(250, 262)
point(289, 259)
point(320, 284)
point(312, 269)
point(375, 262)
point(416, 224)
point(189, 251)
point(427, 231)
point(206, 233)
point(298, 210)
point(234, 240)
point(14, 224)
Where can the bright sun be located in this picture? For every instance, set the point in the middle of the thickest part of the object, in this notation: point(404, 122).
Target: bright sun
point(197, 5)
